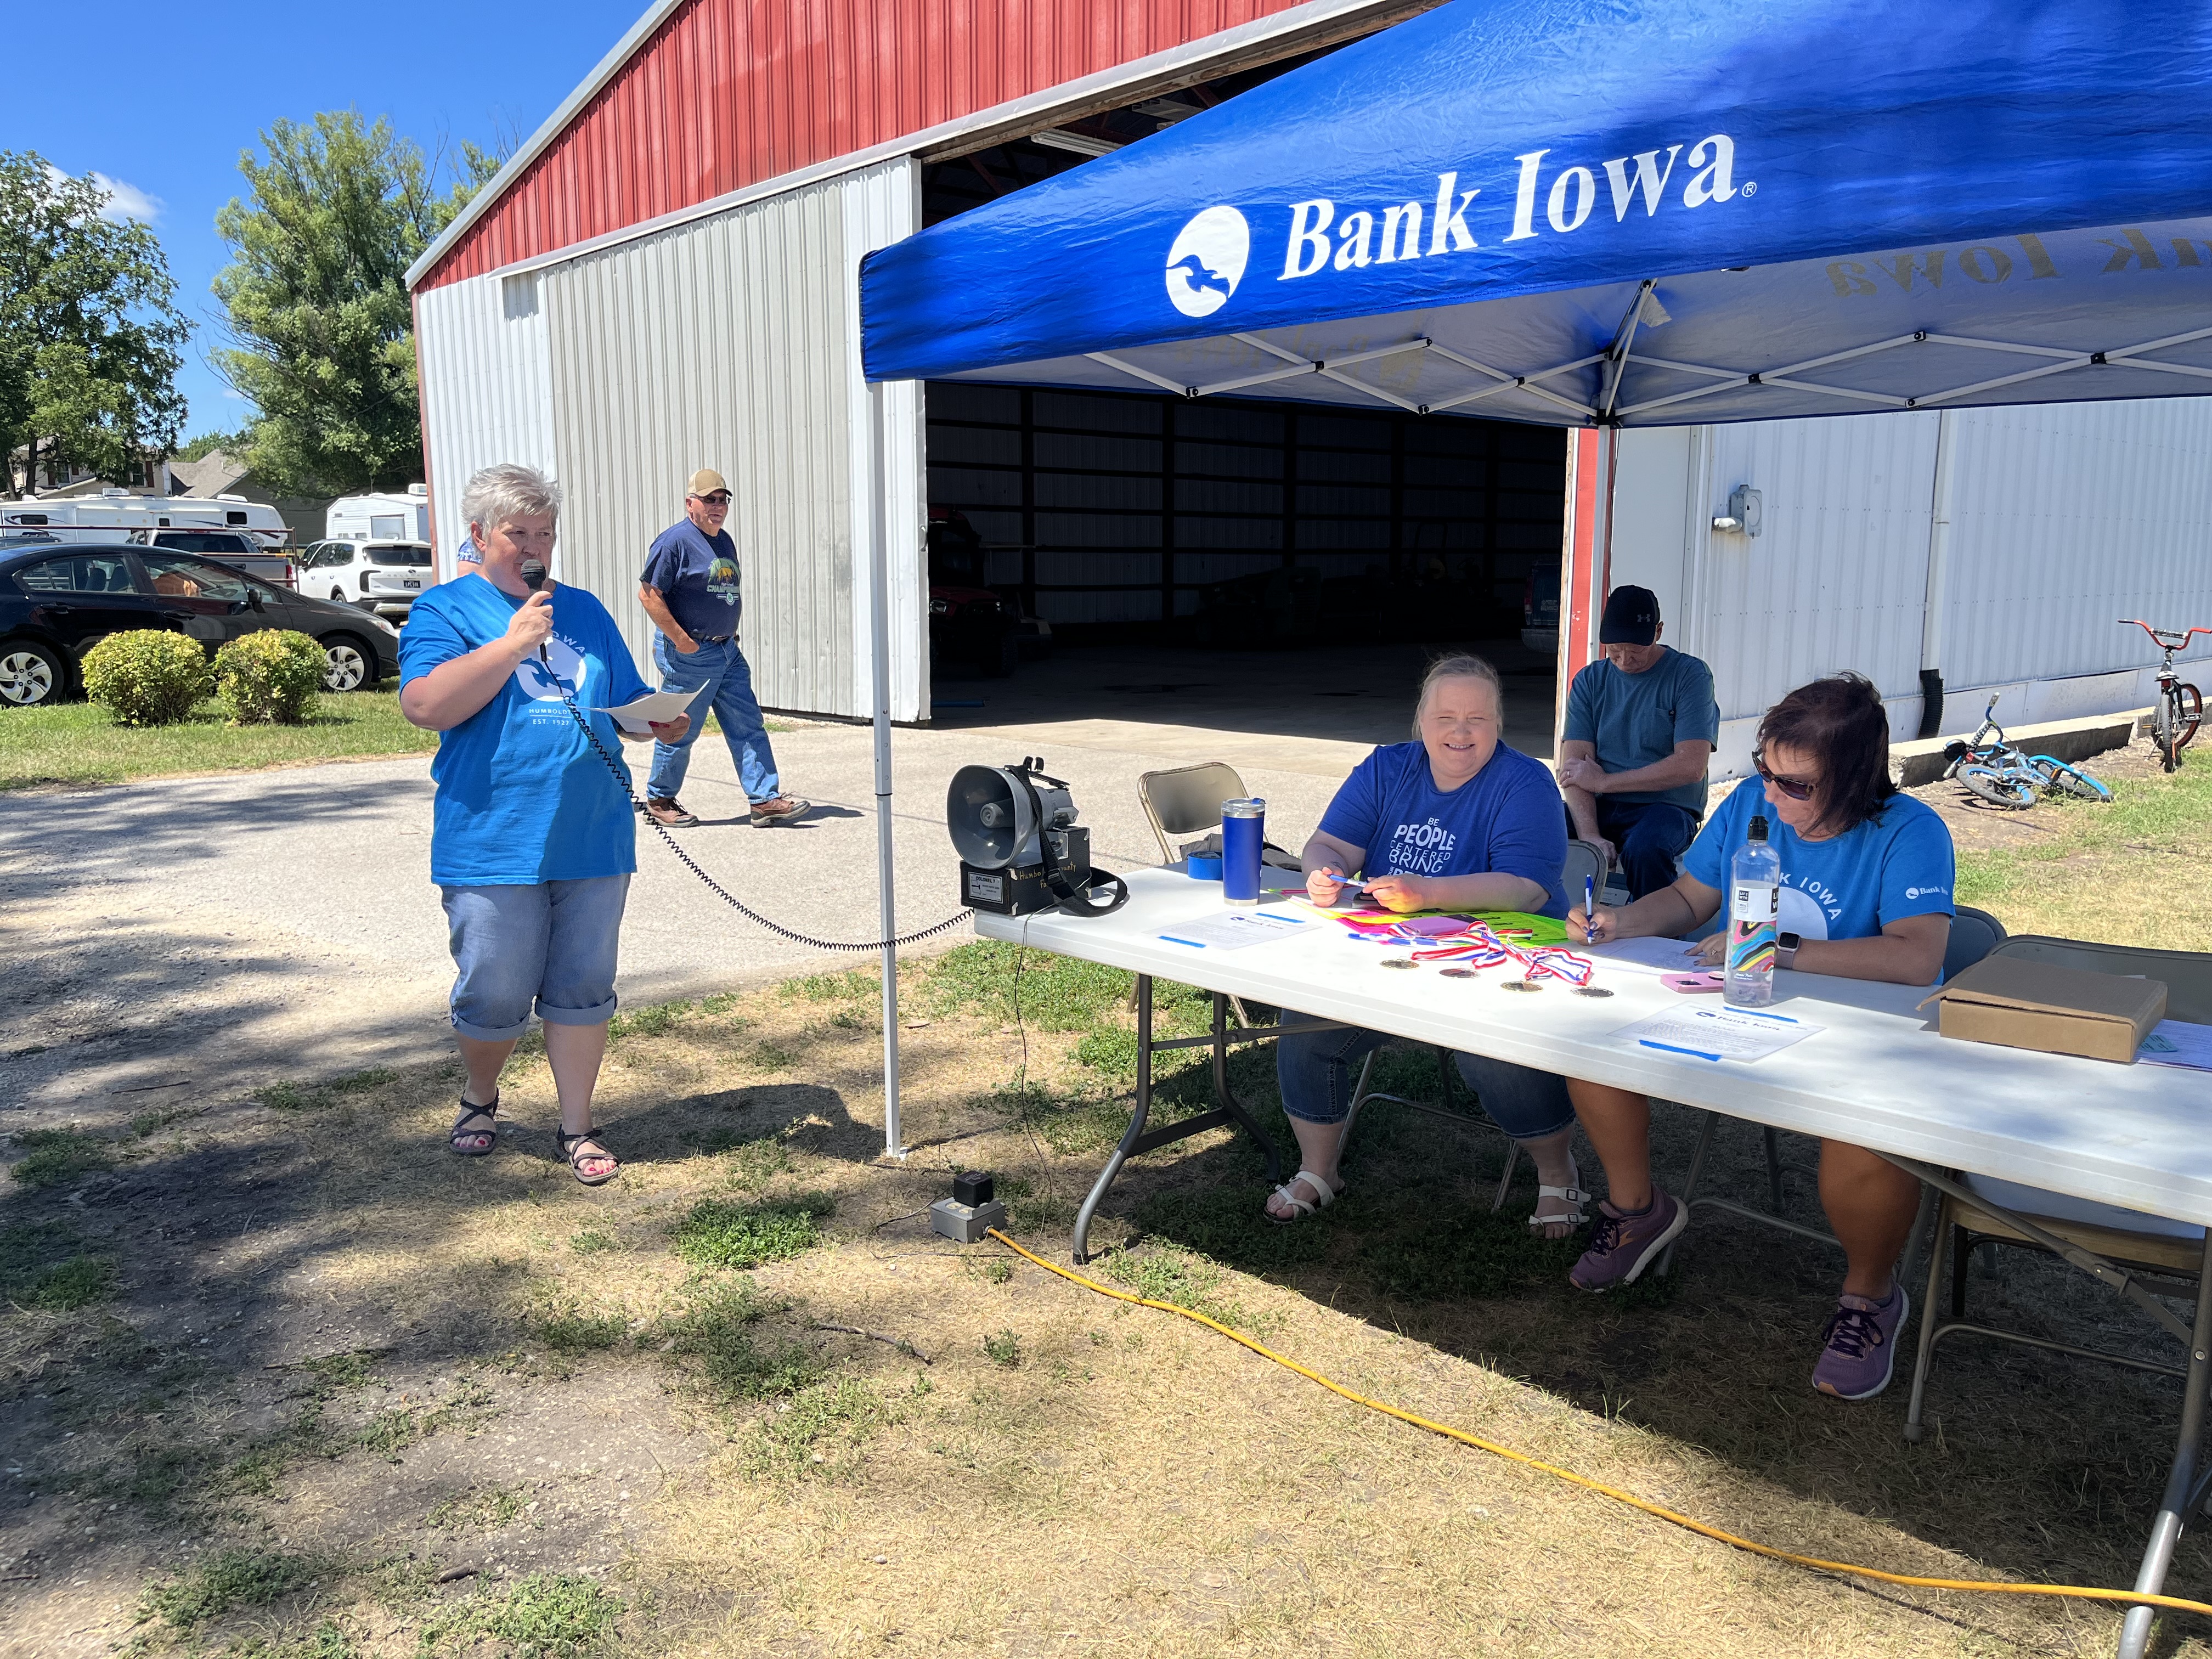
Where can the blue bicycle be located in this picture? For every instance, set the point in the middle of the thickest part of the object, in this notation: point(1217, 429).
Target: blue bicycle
point(2006, 775)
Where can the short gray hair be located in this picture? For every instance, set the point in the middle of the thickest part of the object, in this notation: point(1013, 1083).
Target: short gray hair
point(1460, 665)
point(506, 491)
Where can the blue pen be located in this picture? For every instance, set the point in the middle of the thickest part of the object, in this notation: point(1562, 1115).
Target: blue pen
point(1589, 909)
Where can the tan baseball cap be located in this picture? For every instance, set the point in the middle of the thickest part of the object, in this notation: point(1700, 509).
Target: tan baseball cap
point(705, 481)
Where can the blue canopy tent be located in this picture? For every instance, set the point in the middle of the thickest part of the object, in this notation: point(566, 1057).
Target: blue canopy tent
point(1622, 214)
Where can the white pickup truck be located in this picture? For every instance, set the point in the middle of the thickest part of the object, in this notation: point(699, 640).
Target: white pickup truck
point(381, 576)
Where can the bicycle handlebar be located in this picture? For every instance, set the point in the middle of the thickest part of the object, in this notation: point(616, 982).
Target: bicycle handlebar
point(2165, 639)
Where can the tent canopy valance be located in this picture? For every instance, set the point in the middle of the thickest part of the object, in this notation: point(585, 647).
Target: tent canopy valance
point(1642, 214)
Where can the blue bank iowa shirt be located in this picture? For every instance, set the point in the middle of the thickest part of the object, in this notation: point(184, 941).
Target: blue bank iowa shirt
point(1897, 864)
point(522, 797)
point(1506, 818)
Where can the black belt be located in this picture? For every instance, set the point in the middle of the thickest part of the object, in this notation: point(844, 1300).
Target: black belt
point(713, 639)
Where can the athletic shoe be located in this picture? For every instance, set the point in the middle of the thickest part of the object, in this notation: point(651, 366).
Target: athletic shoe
point(1623, 1246)
point(666, 809)
point(1861, 1350)
point(784, 809)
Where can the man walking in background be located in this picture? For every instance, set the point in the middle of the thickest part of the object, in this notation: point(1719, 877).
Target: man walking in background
point(691, 590)
point(1641, 724)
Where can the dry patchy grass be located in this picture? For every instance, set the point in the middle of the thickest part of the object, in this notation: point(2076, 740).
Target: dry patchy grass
point(341, 1366)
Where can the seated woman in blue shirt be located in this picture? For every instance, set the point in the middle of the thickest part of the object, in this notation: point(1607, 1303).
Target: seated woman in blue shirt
point(1866, 887)
point(1457, 820)
point(532, 840)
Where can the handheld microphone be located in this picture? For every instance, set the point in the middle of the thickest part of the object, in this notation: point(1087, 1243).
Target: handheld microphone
point(533, 577)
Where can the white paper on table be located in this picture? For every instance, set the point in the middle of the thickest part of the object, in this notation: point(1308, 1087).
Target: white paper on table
point(2178, 1042)
point(1654, 956)
point(1231, 931)
point(639, 716)
point(1717, 1034)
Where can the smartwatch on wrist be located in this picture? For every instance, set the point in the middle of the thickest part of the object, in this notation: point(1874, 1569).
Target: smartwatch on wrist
point(1785, 950)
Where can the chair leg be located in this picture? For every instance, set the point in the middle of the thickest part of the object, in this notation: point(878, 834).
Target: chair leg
point(1506, 1180)
point(1910, 1269)
point(1925, 1360)
point(1359, 1096)
point(1774, 1168)
point(1689, 1184)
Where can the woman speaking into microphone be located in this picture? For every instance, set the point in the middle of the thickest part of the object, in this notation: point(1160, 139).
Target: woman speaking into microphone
point(532, 839)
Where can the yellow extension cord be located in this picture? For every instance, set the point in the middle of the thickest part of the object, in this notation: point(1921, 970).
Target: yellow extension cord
point(2077, 1592)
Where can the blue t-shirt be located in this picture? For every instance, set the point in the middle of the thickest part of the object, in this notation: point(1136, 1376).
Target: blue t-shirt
point(522, 797)
point(1505, 819)
point(697, 574)
point(1636, 720)
point(1896, 864)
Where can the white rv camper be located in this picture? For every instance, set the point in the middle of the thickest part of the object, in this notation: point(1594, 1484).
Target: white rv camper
point(386, 516)
point(118, 514)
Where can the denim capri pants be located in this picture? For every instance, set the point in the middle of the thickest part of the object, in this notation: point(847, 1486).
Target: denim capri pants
point(549, 947)
point(1313, 1071)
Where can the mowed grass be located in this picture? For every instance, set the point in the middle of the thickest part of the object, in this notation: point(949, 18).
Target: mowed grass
point(2134, 873)
point(80, 742)
point(820, 1428)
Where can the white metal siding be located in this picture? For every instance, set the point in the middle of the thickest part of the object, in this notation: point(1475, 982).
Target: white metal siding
point(1839, 578)
point(729, 342)
point(2069, 516)
point(2064, 517)
point(487, 390)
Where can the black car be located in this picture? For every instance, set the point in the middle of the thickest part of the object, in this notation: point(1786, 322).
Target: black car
point(57, 603)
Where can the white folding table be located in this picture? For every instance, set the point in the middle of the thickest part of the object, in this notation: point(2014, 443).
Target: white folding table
point(1877, 1074)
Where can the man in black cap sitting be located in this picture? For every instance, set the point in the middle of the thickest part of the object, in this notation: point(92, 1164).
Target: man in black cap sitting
point(1641, 724)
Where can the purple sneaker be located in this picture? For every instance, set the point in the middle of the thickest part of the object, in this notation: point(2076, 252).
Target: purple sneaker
point(1623, 1246)
point(1861, 1346)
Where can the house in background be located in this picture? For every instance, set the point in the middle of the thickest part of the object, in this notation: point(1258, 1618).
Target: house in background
point(56, 477)
point(221, 473)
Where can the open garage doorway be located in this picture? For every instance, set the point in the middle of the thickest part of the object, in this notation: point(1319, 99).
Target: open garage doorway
point(1104, 560)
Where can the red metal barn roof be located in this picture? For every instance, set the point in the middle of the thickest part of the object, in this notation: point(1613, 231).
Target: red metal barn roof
point(705, 97)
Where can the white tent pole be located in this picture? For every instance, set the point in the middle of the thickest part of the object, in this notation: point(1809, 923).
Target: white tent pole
point(879, 647)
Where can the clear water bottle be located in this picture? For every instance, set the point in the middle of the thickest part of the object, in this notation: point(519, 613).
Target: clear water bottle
point(1754, 913)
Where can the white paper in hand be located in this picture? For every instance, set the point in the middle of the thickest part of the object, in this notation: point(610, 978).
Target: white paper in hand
point(639, 716)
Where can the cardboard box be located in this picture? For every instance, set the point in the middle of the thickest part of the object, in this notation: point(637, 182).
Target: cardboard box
point(2056, 1011)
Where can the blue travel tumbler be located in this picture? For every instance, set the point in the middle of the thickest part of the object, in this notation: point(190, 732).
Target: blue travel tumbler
point(1243, 833)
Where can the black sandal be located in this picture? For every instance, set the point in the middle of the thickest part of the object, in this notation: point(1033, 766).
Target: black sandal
point(457, 1134)
point(571, 1148)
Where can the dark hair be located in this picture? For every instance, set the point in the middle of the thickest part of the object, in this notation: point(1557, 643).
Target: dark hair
point(1839, 719)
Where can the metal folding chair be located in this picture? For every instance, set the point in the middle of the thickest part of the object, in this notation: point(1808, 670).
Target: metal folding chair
point(1974, 934)
point(1183, 801)
point(2142, 1258)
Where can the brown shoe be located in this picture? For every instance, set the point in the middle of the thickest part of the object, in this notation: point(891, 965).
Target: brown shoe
point(784, 809)
point(666, 809)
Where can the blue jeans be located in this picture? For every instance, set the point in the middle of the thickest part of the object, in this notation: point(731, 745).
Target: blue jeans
point(550, 946)
point(718, 673)
point(1313, 1071)
point(1650, 835)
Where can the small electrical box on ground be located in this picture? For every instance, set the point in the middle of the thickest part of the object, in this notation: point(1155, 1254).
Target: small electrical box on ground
point(971, 1210)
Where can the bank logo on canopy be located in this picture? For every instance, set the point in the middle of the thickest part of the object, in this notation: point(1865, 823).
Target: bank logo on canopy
point(1207, 261)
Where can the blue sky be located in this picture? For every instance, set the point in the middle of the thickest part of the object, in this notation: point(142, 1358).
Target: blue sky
point(162, 99)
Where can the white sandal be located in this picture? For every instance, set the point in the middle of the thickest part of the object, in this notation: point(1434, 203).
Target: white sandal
point(1301, 1206)
point(1574, 1194)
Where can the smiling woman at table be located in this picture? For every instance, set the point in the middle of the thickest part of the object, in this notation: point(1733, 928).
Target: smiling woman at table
point(1866, 887)
point(1457, 820)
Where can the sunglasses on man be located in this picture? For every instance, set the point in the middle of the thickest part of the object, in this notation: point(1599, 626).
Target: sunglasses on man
point(719, 498)
point(1795, 788)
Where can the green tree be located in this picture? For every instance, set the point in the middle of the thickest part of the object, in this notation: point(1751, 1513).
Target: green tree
point(201, 445)
point(323, 332)
point(90, 337)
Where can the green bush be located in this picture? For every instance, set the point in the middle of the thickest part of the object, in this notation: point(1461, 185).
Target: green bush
point(269, 678)
point(148, 677)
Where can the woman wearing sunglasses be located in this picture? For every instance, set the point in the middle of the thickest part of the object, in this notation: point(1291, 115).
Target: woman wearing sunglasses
point(1866, 894)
